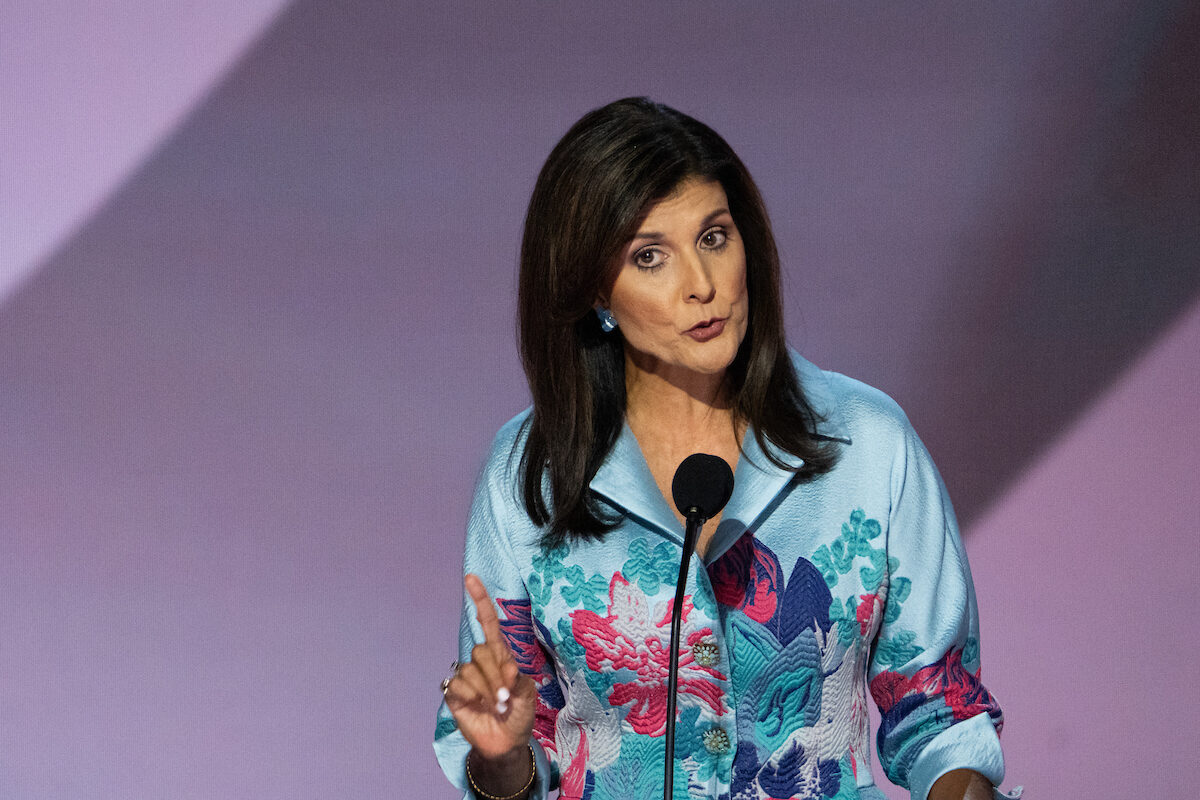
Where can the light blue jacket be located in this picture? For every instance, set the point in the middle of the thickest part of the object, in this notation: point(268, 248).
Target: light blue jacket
point(809, 593)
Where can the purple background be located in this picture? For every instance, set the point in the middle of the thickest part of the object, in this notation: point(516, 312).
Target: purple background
point(256, 332)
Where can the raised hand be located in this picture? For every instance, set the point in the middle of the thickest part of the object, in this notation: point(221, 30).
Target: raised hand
point(492, 701)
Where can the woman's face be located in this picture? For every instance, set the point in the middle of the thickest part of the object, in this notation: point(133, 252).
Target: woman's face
point(679, 295)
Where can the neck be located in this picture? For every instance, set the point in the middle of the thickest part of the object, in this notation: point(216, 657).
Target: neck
point(685, 410)
point(686, 398)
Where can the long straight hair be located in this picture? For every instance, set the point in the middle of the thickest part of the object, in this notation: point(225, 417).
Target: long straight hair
point(594, 190)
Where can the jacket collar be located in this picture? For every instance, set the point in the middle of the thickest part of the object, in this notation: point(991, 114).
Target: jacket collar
point(625, 480)
point(820, 394)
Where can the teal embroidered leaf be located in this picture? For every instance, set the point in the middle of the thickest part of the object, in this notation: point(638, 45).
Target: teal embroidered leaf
point(897, 650)
point(650, 569)
point(445, 727)
point(847, 785)
point(551, 563)
point(703, 599)
point(572, 651)
point(823, 561)
point(539, 591)
point(599, 682)
point(633, 774)
point(870, 530)
point(687, 732)
point(753, 648)
point(591, 593)
point(846, 617)
point(872, 576)
point(970, 653)
point(843, 555)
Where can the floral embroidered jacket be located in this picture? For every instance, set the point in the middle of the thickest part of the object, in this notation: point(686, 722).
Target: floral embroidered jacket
point(810, 594)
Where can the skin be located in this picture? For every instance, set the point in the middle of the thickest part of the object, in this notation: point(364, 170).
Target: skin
point(499, 740)
point(685, 266)
point(961, 784)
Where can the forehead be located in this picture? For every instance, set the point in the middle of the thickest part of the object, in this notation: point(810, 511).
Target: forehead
point(693, 199)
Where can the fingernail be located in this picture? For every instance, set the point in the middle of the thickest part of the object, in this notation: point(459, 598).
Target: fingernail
point(502, 694)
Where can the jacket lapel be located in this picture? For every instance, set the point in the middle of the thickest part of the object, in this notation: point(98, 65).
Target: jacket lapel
point(625, 481)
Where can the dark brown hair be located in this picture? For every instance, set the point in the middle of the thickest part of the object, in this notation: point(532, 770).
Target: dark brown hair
point(596, 187)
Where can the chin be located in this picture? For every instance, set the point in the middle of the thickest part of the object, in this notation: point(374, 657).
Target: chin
point(716, 364)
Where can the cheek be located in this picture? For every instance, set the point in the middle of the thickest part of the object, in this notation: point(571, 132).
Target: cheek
point(737, 287)
point(645, 310)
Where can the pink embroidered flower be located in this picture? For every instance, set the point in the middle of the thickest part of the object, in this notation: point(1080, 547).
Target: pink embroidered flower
point(629, 638)
point(889, 688)
point(574, 772)
point(868, 605)
point(962, 691)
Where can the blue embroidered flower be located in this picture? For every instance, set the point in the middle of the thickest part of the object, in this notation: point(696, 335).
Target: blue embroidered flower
point(791, 775)
point(788, 691)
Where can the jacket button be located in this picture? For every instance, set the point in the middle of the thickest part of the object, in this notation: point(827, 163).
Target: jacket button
point(716, 740)
point(707, 654)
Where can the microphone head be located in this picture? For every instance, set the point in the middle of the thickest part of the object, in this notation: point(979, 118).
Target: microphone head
point(702, 485)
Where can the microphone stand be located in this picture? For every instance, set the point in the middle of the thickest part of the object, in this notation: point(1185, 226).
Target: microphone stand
point(691, 533)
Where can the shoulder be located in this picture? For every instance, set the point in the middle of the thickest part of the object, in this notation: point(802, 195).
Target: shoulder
point(512, 432)
point(498, 512)
point(879, 445)
point(502, 464)
point(848, 409)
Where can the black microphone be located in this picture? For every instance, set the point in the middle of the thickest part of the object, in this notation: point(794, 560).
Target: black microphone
point(701, 487)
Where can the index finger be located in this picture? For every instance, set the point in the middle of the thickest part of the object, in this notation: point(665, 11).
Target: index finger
point(484, 610)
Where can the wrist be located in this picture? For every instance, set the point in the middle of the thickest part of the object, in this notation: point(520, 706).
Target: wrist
point(518, 755)
point(507, 776)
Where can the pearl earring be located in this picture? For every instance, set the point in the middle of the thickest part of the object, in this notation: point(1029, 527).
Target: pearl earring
point(607, 323)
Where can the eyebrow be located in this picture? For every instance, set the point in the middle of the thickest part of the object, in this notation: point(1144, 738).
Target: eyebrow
point(703, 224)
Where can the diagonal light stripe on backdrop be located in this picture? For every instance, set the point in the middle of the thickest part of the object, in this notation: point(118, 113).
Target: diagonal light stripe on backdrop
point(89, 90)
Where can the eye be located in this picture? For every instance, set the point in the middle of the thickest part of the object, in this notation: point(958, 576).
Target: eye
point(714, 238)
point(649, 258)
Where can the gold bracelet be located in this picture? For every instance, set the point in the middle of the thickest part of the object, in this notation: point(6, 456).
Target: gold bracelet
point(519, 793)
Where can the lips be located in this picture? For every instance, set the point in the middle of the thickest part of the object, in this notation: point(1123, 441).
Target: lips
point(709, 329)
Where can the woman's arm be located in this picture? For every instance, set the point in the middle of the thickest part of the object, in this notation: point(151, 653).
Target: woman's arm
point(936, 714)
point(480, 727)
point(494, 705)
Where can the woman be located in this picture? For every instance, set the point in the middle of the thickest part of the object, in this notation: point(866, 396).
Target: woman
point(651, 328)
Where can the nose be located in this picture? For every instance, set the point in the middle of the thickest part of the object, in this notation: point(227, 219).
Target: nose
point(699, 286)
